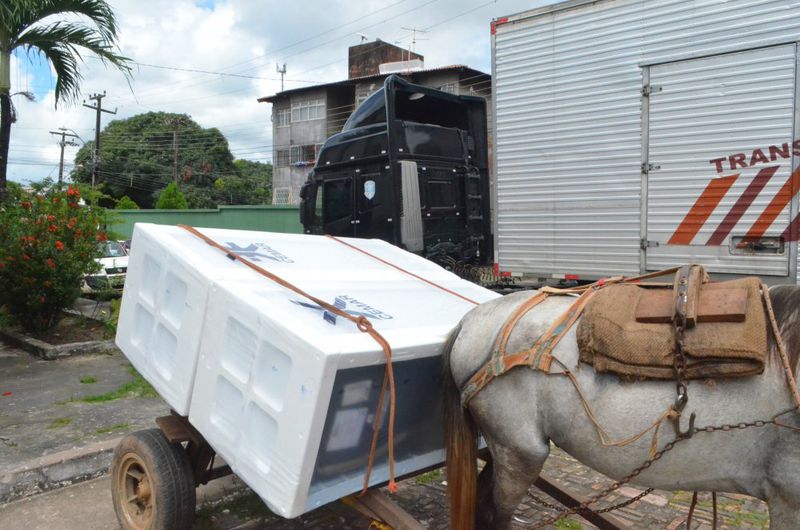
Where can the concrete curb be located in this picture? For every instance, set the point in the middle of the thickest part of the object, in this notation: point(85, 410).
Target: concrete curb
point(49, 351)
point(57, 470)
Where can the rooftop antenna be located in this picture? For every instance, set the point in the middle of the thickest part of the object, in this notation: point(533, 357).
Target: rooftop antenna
point(364, 38)
point(414, 38)
point(282, 71)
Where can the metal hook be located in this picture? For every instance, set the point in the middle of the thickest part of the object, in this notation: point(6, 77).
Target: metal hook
point(680, 404)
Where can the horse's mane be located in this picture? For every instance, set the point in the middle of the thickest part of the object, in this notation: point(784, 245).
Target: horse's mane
point(786, 304)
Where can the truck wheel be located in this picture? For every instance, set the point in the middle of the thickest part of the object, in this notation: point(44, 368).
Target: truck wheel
point(152, 486)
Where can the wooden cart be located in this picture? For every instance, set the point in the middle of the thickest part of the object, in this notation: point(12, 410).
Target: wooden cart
point(155, 474)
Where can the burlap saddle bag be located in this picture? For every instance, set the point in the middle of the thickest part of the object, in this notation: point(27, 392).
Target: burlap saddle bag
point(612, 339)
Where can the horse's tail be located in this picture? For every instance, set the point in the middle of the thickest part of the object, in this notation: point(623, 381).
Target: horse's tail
point(461, 436)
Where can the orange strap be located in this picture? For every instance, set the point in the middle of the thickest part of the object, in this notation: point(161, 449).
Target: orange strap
point(363, 325)
point(401, 269)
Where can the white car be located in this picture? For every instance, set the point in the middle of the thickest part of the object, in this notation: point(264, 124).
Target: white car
point(113, 267)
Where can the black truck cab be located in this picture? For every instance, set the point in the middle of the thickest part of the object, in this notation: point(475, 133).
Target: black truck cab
point(409, 167)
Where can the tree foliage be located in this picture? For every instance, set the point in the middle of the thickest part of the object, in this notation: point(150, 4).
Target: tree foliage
point(137, 159)
point(61, 31)
point(126, 203)
point(171, 198)
point(48, 241)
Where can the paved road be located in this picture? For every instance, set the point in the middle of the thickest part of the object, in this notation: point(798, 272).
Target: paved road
point(227, 505)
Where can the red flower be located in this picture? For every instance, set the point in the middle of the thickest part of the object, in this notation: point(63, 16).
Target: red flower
point(72, 222)
point(26, 257)
point(59, 245)
point(52, 265)
point(73, 192)
point(2, 266)
point(52, 228)
point(101, 236)
point(51, 217)
point(27, 205)
point(56, 200)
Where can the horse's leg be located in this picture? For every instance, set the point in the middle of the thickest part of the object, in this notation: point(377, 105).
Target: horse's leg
point(485, 481)
point(783, 513)
point(512, 476)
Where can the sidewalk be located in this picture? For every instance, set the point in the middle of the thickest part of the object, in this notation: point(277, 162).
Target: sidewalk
point(59, 420)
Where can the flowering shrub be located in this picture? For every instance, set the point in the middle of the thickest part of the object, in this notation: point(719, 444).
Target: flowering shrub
point(48, 242)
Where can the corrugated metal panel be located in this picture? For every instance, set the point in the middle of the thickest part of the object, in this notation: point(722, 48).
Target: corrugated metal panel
point(568, 139)
point(712, 108)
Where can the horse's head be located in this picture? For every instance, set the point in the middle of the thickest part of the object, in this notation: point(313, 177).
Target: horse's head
point(786, 304)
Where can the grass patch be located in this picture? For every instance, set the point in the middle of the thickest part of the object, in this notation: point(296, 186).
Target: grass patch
point(59, 422)
point(247, 506)
point(137, 387)
point(113, 428)
point(430, 477)
point(568, 524)
point(88, 380)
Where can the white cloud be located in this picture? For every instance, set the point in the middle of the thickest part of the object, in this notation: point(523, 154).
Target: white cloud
point(247, 38)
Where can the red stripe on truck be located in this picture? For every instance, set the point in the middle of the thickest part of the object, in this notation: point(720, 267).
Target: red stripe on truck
point(776, 206)
point(741, 206)
point(702, 209)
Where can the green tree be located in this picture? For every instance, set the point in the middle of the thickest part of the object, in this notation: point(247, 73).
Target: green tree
point(126, 203)
point(60, 31)
point(138, 156)
point(171, 198)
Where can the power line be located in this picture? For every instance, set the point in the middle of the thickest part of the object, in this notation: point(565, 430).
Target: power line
point(211, 72)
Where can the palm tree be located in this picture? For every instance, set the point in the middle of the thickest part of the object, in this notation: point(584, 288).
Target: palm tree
point(38, 27)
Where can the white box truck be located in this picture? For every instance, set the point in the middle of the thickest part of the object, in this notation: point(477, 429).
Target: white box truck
point(634, 135)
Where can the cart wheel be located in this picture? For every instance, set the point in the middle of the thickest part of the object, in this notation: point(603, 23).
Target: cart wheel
point(152, 486)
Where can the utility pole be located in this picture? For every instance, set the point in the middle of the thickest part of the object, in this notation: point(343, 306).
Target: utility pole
point(281, 71)
point(98, 107)
point(63, 143)
point(175, 122)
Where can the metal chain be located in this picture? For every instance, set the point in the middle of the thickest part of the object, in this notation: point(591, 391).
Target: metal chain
point(561, 509)
point(679, 357)
point(584, 506)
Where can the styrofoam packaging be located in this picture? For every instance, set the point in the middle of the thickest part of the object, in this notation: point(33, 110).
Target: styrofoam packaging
point(283, 390)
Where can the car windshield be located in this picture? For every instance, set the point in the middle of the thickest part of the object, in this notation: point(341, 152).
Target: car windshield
point(112, 249)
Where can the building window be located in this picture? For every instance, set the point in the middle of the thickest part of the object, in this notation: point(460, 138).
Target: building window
point(297, 155)
point(282, 196)
point(282, 158)
point(450, 88)
point(282, 117)
point(362, 97)
point(313, 109)
point(308, 153)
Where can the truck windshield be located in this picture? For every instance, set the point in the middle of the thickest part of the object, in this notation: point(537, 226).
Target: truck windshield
point(373, 110)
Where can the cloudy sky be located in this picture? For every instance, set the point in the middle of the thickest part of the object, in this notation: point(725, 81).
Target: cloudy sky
point(211, 59)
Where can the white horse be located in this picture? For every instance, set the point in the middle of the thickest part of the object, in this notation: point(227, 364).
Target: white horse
point(520, 412)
